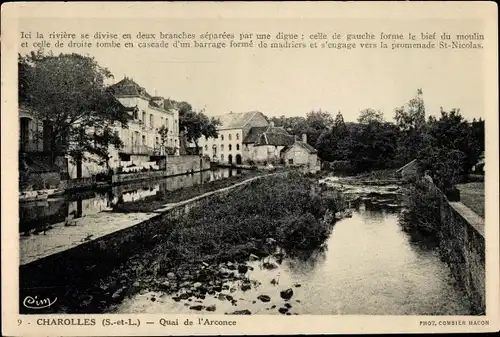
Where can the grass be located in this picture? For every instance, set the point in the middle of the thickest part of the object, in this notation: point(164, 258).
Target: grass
point(152, 203)
point(472, 196)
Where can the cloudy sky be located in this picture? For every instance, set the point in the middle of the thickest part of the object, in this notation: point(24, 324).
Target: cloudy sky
point(289, 82)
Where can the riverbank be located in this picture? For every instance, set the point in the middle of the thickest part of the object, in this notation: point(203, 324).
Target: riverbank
point(212, 242)
point(150, 204)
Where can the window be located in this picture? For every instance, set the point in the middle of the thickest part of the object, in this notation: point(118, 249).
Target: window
point(151, 120)
point(230, 147)
point(206, 147)
point(237, 136)
point(161, 122)
point(144, 117)
point(222, 147)
point(237, 146)
point(230, 137)
point(136, 114)
point(221, 157)
point(290, 161)
point(143, 140)
point(221, 137)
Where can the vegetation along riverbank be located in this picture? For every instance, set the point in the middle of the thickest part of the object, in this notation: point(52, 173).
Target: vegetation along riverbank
point(194, 256)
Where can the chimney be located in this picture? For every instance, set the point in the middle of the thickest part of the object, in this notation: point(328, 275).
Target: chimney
point(160, 101)
point(304, 138)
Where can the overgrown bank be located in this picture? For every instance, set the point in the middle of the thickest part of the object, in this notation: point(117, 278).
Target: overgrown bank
point(289, 210)
point(286, 211)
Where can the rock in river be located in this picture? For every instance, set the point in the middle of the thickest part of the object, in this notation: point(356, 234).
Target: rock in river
point(241, 312)
point(264, 298)
point(283, 310)
point(286, 294)
point(242, 268)
point(253, 257)
point(197, 307)
point(211, 308)
point(171, 275)
point(246, 285)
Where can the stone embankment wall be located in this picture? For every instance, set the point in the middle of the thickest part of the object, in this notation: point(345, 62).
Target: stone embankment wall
point(176, 165)
point(462, 246)
point(93, 258)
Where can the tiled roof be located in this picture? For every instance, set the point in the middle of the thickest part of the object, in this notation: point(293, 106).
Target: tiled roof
point(306, 146)
point(127, 86)
point(275, 136)
point(235, 120)
point(254, 134)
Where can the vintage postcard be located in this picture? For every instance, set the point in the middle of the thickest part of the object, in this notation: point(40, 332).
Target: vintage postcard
point(249, 168)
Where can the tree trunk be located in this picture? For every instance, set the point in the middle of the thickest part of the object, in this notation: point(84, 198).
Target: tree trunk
point(78, 168)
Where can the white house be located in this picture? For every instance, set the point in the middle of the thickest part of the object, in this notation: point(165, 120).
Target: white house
point(228, 146)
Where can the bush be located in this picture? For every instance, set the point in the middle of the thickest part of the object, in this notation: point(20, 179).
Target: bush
point(304, 232)
point(423, 213)
point(286, 208)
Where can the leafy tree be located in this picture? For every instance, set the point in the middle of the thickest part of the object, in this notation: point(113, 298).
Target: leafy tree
point(410, 120)
point(413, 115)
point(316, 123)
point(478, 132)
point(329, 140)
point(163, 132)
point(68, 94)
point(195, 124)
point(371, 146)
point(450, 141)
point(369, 115)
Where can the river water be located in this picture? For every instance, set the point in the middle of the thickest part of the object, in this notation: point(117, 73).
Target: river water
point(33, 215)
point(370, 267)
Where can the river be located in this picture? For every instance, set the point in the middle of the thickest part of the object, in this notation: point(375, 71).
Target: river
point(369, 267)
point(77, 205)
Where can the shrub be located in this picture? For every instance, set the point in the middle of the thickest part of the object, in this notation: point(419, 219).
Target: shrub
point(304, 232)
point(287, 208)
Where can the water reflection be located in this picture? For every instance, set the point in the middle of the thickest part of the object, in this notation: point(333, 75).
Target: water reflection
point(369, 268)
point(41, 214)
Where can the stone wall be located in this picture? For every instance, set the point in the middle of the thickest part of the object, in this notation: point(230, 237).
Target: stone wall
point(185, 164)
point(462, 247)
point(176, 165)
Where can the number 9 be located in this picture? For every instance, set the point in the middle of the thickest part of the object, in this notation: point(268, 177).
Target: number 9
point(19, 322)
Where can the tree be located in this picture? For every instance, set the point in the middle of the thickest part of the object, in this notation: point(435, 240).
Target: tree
point(316, 123)
point(196, 124)
point(369, 115)
point(68, 94)
point(413, 115)
point(452, 134)
point(328, 142)
point(163, 132)
point(410, 120)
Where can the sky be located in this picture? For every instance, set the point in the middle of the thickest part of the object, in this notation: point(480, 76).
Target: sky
point(289, 82)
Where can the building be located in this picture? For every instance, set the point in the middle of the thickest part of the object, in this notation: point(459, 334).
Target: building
point(409, 171)
point(301, 154)
point(264, 144)
point(143, 144)
point(149, 114)
point(228, 146)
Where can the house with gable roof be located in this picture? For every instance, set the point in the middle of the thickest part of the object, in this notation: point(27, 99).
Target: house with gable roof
point(301, 154)
point(264, 144)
